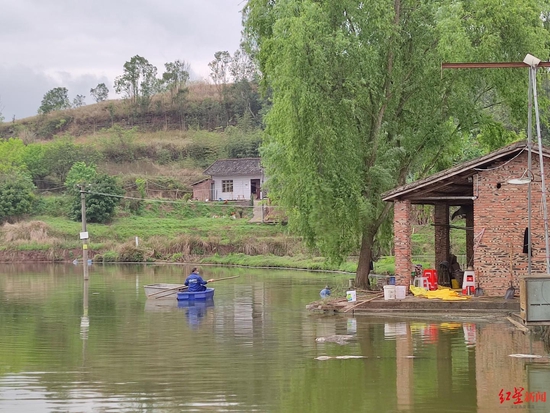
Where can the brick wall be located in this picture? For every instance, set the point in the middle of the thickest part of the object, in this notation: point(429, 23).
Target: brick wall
point(402, 240)
point(500, 211)
point(201, 191)
point(441, 233)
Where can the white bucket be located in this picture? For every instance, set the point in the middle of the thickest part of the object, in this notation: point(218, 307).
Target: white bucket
point(351, 296)
point(389, 292)
point(400, 292)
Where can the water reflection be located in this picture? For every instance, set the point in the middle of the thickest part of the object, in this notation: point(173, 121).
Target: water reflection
point(84, 320)
point(195, 311)
point(101, 345)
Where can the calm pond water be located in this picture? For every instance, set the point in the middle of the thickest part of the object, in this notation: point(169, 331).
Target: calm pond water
point(109, 349)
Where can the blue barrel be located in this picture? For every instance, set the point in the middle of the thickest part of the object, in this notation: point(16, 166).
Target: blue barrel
point(391, 281)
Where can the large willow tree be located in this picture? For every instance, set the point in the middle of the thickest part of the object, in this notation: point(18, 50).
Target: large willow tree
point(360, 103)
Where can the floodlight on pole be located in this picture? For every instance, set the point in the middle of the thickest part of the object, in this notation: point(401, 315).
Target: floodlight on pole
point(533, 70)
point(524, 179)
point(531, 60)
point(533, 63)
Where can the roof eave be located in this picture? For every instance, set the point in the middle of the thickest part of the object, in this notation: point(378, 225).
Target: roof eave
point(404, 190)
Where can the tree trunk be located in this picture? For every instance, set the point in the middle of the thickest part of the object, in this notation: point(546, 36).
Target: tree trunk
point(365, 258)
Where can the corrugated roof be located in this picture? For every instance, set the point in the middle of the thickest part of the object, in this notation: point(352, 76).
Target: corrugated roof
point(242, 166)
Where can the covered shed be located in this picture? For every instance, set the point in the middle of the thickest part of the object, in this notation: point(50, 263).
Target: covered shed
point(202, 190)
point(496, 214)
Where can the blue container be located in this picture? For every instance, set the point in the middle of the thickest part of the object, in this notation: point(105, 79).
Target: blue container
point(391, 281)
point(207, 294)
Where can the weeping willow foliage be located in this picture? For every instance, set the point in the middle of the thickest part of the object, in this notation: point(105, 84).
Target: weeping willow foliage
point(360, 102)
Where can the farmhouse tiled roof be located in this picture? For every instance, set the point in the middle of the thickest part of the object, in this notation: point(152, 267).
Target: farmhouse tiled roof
point(242, 166)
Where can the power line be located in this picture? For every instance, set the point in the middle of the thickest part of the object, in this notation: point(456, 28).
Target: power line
point(167, 201)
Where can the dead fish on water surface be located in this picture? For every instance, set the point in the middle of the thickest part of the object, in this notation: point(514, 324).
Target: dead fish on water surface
point(322, 358)
point(339, 339)
point(525, 356)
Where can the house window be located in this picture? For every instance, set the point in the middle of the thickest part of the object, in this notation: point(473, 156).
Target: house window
point(227, 185)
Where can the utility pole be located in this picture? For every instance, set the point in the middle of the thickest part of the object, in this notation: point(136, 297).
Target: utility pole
point(533, 64)
point(84, 233)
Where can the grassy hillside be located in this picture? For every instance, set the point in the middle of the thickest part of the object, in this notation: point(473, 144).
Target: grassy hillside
point(204, 107)
point(167, 148)
point(167, 145)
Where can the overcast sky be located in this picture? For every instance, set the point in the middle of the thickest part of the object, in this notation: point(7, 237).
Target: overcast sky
point(77, 44)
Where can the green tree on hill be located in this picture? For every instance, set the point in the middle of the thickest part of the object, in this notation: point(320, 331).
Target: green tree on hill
point(1, 109)
point(242, 67)
point(79, 101)
point(219, 68)
point(175, 77)
point(103, 193)
point(219, 72)
point(16, 193)
point(360, 103)
point(100, 92)
point(175, 80)
point(55, 99)
point(139, 82)
point(59, 157)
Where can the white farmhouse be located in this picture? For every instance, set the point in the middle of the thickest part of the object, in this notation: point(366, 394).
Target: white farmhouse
point(231, 180)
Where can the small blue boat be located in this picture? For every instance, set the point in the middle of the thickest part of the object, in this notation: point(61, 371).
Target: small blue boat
point(207, 294)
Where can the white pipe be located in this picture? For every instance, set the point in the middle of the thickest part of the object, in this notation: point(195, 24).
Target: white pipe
point(532, 70)
point(539, 139)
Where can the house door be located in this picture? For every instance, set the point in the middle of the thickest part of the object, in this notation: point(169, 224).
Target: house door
point(212, 190)
point(255, 188)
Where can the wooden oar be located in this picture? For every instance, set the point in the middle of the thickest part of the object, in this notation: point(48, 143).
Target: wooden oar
point(363, 302)
point(169, 291)
point(226, 278)
point(184, 287)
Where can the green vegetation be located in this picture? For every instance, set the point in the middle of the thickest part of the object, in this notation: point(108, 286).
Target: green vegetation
point(102, 193)
point(360, 105)
point(186, 232)
point(55, 99)
point(16, 194)
point(346, 121)
point(100, 93)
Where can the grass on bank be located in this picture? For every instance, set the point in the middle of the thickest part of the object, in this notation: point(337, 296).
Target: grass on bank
point(200, 239)
point(173, 240)
point(299, 261)
point(186, 232)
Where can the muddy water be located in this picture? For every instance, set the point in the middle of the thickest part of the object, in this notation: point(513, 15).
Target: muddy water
point(101, 346)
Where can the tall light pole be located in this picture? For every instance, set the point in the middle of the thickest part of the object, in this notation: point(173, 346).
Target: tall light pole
point(529, 167)
point(533, 63)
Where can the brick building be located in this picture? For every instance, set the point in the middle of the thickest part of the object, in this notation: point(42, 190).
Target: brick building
point(496, 214)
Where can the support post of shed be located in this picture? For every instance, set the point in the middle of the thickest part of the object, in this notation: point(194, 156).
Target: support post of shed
point(441, 233)
point(402, 240)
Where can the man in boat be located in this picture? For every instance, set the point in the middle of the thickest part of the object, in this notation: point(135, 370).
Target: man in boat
point(195, 282)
